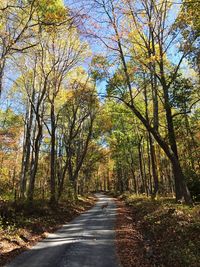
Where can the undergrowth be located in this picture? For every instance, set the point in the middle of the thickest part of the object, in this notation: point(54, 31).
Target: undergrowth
point(173, 230)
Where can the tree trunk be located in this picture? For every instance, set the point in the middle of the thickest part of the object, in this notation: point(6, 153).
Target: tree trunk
point(2, 67)
point(179, 185)
point(26, 151)
point(34, 162)
point(62, 178)
point(141, 165)
point(192, 147)
point(53, 157)
point(149, 166)
point(154, 167)
point(179, 177)
point(133, 175)
point(155, 123)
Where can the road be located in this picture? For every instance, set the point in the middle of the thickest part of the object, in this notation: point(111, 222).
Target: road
point(87, 241)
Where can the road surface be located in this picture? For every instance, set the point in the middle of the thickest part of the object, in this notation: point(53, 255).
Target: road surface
point(87, 241)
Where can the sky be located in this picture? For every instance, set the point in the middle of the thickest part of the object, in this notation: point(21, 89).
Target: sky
point(96, 47)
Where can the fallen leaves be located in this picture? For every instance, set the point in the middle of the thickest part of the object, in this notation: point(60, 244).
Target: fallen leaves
point(34, 227)
point(157, 233)
point(129, 240)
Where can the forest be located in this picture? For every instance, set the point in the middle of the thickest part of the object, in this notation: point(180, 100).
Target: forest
point(99, 95)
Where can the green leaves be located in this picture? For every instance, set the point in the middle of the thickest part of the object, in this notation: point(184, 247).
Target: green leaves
point(182, 92)
point(99, 68)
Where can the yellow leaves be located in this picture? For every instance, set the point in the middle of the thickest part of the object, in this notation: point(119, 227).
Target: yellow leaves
point(153, 59)
point(4, 3)
point(62, 97)
point(77, 85)
point(77, 74)
point(51, 10)
point(69, 94)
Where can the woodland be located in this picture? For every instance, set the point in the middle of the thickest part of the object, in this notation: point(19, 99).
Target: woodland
point(98, 95)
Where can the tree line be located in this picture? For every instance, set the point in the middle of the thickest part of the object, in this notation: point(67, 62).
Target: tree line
point(61, 136)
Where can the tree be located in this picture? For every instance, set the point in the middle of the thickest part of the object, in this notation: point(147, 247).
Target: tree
point(16, 30)
point(61, 57)
point(48, 66)
point(10, 134)
point(78, 115)
point(148, 21)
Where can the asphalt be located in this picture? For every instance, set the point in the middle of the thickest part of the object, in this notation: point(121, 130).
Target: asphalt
point(87, 241)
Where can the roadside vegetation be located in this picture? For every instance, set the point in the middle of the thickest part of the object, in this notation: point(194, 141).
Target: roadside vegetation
point(21, 227)
point(167, 233)
point(101, 95)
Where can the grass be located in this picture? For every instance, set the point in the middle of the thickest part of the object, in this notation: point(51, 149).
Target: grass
point(172, 230)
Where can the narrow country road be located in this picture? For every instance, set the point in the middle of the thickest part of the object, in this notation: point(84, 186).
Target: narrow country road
point(87, 241)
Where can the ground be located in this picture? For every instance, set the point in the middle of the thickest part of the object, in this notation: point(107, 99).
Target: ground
point(26, 227)
point(86, 241)
point(129, 240)
point(157, 233)
point(149, 233)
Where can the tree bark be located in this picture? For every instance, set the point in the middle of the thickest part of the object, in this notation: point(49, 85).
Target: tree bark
point(143, 189)
point(154, 166)
point(26, 151)
point(34, 160)
point(53, 157)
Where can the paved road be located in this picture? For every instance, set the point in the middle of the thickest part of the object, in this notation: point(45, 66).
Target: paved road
point(88, 241)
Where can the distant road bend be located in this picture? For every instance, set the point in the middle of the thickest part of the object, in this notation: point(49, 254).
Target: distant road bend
point(87, 241)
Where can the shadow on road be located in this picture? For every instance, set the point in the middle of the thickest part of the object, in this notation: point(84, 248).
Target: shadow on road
point(88, 241)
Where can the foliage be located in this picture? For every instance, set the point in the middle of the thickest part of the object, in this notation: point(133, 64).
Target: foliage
point(58, 138)
point(173, 228)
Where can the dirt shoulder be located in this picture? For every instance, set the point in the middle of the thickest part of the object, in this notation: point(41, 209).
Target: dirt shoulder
point(157, 233)
point(24, 228)
point(129, 239)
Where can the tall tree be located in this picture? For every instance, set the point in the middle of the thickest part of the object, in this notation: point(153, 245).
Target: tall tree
point(79, 112)
point(129, 39)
